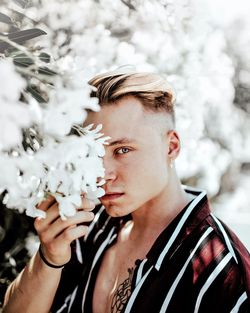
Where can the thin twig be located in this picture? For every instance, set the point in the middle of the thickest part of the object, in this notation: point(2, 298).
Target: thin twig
point(19, 47)
point(129, 4)
point(42, 78)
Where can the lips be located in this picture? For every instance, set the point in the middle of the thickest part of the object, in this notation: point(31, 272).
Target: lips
point(111, 196)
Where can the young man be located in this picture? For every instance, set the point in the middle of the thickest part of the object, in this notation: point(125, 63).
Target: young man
point(153, 245)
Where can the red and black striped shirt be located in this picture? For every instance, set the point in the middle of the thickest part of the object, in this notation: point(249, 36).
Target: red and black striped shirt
point(196, 265)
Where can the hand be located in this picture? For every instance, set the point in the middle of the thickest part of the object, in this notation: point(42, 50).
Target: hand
point(56, 234)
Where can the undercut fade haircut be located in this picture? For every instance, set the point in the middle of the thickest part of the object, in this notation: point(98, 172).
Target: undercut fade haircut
point(151, 89)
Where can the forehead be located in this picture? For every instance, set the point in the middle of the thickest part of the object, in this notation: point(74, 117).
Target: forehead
point(125, 118)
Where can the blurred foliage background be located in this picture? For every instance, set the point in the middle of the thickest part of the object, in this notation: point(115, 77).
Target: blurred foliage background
point(202, 48)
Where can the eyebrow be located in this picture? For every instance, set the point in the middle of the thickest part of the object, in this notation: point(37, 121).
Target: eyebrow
point(120, 141)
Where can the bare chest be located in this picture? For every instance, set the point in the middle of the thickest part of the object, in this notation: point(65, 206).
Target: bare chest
point(114, 280)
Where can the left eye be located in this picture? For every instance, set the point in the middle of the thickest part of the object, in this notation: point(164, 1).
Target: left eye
point(122, 150)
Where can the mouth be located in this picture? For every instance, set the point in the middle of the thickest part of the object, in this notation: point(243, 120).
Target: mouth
point(111, 196)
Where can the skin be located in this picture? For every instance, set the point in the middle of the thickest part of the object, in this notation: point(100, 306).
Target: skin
point(137, 164)
point(139, 169)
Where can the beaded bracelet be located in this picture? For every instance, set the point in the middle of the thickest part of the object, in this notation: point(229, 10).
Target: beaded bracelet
point(46, 262)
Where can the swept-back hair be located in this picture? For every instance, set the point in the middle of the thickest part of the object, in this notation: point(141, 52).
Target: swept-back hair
point(151, 89)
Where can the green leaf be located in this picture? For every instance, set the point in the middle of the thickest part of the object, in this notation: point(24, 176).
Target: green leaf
point(23, 3)
point(23, 35)
point(44, 57)
point(5, 19)
point(20, 37)
point(46, 71)
point(21, 59)
point(32, 89)
point(3, 45)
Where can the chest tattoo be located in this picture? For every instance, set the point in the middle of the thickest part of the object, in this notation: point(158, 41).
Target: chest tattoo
point(122, 293)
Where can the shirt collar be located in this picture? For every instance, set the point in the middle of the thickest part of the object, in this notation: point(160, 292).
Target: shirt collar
point(181, 226)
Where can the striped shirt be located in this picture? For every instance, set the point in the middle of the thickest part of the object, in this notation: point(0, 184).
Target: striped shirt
point(195, 265)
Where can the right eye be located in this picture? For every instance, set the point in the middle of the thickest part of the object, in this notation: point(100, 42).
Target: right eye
point(122, 150)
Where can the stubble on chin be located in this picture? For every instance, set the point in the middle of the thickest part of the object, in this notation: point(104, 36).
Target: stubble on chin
point(114, 210)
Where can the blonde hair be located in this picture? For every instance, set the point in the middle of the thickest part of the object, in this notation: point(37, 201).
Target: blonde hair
point(151, 89)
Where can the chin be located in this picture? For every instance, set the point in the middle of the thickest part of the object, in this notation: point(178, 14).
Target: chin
point(115, 211)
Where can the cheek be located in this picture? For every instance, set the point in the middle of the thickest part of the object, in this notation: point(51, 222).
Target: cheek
point(151, 173)
point(143, 168)
point(155, 165)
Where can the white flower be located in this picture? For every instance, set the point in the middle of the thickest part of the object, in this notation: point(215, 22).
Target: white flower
point(32, 243)
point(8, 171)
point(69, 204)
point(14, 115)
point(11, 82)
point(67, 106)
point(93, 195)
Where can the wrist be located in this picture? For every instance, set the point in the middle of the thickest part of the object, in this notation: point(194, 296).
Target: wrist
point(48, 263)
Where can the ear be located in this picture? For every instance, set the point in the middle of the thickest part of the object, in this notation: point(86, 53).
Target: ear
point(174, 144)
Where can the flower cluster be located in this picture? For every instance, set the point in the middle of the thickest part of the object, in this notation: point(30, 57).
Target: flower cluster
point(14, 115)
point(66, 170)
point(62, 164)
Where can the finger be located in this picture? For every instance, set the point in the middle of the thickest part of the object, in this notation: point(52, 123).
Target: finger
point(87, 205)
point(71, 234)
point(41, 224)
point(45, 204)
point(57, 227)
point(53, 213)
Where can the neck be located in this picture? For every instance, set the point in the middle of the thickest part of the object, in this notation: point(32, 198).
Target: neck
point(151, 219)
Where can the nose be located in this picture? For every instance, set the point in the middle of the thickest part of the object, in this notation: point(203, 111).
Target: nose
point(110, 171)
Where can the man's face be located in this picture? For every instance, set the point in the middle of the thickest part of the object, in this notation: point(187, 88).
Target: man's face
point(136, 170)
